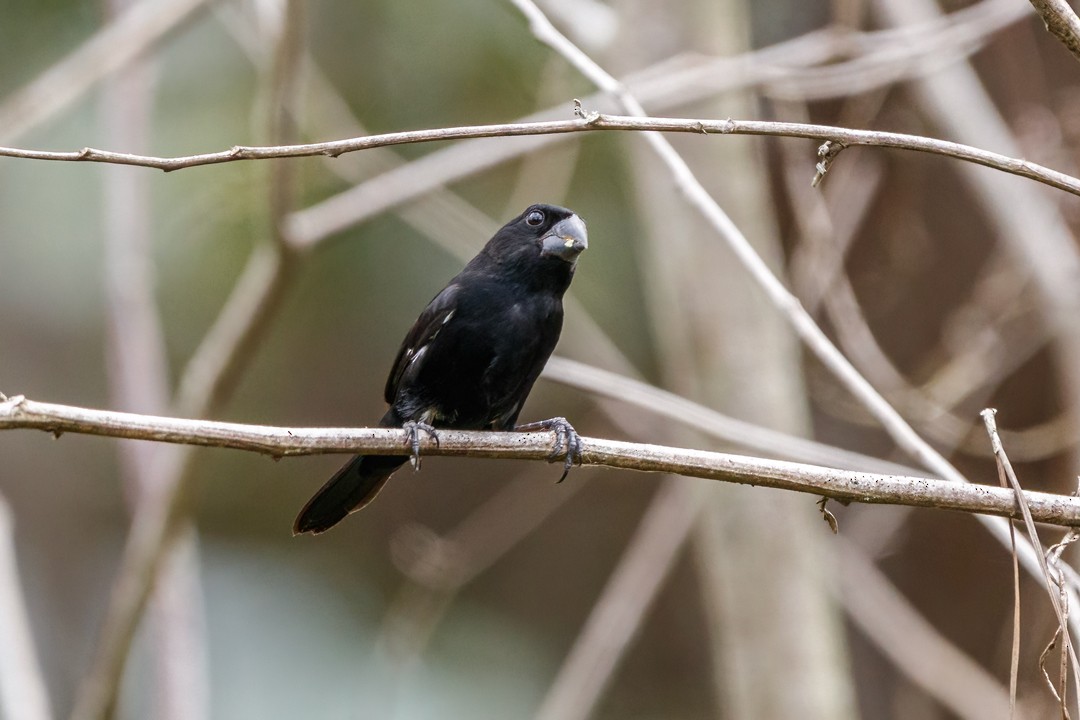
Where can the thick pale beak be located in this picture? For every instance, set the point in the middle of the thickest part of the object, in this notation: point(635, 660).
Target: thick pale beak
point(566, 239)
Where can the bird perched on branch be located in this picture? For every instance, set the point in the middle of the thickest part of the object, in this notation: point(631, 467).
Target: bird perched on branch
point(472, 356)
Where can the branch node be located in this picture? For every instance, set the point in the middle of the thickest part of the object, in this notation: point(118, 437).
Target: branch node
point(827, 151)
point(85, 153)
point(727, 127)
point(700, 127)
point(590, 117)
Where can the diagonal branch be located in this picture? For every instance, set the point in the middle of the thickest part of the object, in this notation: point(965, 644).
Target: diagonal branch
point(1061, 22)
point(815, 339)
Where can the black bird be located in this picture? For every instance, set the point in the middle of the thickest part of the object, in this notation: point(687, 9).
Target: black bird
point(472, 356)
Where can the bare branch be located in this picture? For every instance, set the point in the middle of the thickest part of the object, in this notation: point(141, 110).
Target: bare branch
point(1061, 22)
point(592, 122)
point(19, 412)
point(663, 87)
point(1053, 581)
point(1030, 225)
point(746, 435)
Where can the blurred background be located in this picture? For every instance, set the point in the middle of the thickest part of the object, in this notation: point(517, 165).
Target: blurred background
point(479, 589)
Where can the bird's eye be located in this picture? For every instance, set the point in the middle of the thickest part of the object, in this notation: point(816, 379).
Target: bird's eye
point(535, 218)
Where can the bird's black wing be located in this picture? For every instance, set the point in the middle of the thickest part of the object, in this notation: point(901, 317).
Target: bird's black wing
point(438, 312)
point(511, 376)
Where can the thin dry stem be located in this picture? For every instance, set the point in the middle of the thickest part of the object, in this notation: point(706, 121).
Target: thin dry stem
point(1061, 22)
point(698, 417)
point(1031, 225)
point(19, 412)
point(662, 87)
point(1006, 472)
point(592, 123)
point(812, 335)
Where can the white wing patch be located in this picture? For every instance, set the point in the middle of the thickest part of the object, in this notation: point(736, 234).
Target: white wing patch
point(413, 356)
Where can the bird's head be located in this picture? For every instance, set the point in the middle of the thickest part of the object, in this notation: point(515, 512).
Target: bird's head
point(542, 238)
point(562, 233)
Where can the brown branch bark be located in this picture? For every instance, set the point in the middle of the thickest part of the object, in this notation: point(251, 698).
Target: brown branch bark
point(19, 412)
point(844, 137)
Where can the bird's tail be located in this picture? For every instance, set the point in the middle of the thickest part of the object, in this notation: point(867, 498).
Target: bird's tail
point(351, 488)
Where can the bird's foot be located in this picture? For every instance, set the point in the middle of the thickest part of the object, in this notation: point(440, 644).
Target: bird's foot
point(567, 442)
point(414, 429)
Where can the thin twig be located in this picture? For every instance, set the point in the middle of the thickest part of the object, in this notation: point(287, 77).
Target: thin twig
point(696, 416)
point(487, 534)
point(816, 340)
point(661, 88)
point(700, 199)
point(1061, 21)
point(812, 335)
point(592, 123)
point(1014, 659)
point(892, 55)
point(1006, 471)
point(1029, 224)
point(19, 412)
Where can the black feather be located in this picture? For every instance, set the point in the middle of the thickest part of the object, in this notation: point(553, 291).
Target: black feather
point(471, 358)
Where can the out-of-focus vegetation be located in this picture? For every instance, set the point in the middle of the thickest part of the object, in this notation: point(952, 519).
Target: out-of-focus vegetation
point(343, 625)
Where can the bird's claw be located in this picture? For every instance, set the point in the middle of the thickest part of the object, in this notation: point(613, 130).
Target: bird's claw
point(567, 442)
point(414, 429)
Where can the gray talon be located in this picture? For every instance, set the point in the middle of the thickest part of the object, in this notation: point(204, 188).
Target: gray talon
point(414, 429)
point(567, 442)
